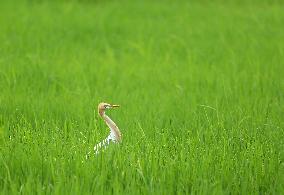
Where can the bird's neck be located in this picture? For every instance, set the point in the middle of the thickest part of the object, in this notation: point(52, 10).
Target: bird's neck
point(113, 127)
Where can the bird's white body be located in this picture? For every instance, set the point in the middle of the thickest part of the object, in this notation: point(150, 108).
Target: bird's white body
point(104, 143)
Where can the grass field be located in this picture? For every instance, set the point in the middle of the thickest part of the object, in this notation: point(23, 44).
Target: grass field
point(200, 84)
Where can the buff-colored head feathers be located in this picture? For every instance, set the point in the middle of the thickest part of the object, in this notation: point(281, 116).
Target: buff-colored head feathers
point(103, 106)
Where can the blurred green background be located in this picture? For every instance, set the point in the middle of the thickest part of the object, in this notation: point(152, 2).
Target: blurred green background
point(200, 84)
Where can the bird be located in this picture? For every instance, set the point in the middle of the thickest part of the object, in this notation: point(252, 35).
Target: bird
point(114, 134)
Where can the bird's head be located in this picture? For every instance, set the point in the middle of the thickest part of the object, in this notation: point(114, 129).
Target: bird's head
point(104, 106)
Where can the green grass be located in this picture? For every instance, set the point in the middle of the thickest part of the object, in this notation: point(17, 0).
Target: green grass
point(200, 84)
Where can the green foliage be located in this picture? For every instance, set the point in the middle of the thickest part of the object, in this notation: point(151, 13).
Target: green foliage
point(200, 86)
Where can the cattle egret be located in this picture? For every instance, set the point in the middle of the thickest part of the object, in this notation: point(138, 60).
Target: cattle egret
point(114, 134)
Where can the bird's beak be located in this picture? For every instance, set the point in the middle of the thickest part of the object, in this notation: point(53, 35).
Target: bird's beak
point(115, 106)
